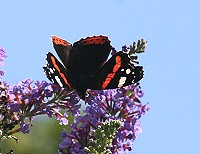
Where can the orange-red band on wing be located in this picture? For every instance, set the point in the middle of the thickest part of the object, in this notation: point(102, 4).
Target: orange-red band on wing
point(112, 75)
point(95, 40)
point(58, 69)
point(58, 41)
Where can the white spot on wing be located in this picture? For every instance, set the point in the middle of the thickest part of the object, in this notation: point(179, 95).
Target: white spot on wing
point(58, 81)
point(128, 71)
point(51, 70)
point(133, 81)
point(122, 69)
point(122, 80)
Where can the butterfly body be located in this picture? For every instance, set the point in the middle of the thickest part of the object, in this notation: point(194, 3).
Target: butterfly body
point(86, 60)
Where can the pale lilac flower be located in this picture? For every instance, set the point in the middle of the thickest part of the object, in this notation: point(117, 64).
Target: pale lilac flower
point(2, 56)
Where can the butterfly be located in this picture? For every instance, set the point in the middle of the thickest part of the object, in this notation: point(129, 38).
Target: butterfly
point(85, 65)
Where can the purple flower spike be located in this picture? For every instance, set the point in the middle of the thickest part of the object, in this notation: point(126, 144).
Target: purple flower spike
point(105, 105)
point(2, 56)
point(22, 102)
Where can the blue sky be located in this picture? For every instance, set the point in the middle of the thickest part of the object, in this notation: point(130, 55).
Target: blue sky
point(171, 61)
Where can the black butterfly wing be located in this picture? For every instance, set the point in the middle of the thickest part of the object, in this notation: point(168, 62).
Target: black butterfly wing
point(62, 48)
point(56, 72)
point(118, 72)
point(84, 65)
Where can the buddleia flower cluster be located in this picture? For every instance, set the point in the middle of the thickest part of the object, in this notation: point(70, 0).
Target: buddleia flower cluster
point(22, 102)
point(121, 105)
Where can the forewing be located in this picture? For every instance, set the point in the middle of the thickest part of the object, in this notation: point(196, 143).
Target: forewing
point(62, 48)
point(56, 72)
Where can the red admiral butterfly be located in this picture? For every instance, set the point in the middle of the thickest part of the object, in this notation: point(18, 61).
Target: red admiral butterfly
point(85, 65)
